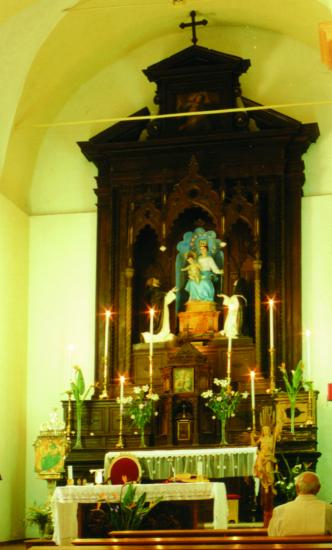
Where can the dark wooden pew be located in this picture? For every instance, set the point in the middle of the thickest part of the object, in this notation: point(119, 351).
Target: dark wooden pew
point(230, 542)
point(239, 531)
point(161, 545)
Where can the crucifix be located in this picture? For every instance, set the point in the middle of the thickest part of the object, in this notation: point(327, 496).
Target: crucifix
point(193, 25)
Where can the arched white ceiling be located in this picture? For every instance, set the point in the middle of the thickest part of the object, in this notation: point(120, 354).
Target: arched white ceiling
point(52, 51)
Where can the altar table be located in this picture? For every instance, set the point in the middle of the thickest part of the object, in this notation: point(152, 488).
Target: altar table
point(213, 463)
point(65, 502)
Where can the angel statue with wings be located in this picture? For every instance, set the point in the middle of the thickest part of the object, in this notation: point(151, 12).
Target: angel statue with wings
point(202, 252)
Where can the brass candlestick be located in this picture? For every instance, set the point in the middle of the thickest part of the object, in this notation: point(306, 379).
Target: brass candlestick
point(104, 394)
point(310, 385)
point(69, 414)
point(150, 373)
point(253, 415)
point(272, 353)
point(120, 443)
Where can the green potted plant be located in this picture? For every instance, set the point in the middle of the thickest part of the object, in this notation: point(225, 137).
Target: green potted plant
point(285, 483)
point(80, 394)
point(292, 386)
point(126, 514)
point(41, 516)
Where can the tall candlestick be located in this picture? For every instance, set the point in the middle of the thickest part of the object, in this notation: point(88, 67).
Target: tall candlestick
point(151, 312)
point(252, 388)
point(120, 441)
point(108, 314)
point(271, 304)
point(229, 359)
point(271, 347)
point(308, 354)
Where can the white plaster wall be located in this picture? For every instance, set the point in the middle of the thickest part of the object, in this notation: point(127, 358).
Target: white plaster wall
point(61, 313)
point(14, 265)
point(317, 316)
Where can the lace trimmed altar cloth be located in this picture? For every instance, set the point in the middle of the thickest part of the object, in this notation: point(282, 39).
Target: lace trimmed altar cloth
point(65, 501)
point(215, 463)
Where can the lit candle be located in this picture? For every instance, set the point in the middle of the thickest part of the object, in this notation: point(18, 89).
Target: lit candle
point(151, 312)
point(308, 353)
point(252, 388)
point(271, 304)
point(108, 314)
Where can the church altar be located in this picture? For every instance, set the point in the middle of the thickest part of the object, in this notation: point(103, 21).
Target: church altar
point(65, 502)
point(213, 463)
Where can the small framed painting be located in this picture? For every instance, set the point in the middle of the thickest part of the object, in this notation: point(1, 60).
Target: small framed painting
point(183, 380)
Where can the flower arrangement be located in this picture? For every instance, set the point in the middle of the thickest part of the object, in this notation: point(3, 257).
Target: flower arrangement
point(126, 514)
point(41, 515)
point(293, 387)
point(141, 408)
point(223, 403)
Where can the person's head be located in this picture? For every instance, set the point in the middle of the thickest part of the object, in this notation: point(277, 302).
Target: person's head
point(191, 257)
point(153, 281)
point(307, 483)
point(203, 249)
point(266, 430)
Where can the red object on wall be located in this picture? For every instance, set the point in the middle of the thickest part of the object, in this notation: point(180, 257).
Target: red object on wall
point(329, 392)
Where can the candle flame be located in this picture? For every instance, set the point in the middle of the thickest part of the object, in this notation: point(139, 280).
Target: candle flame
point(252, 374)
point(108, 313)
point(122, 379)
point(151, 312)
point(308, 332)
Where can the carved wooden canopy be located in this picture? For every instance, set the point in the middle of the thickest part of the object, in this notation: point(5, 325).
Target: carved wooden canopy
point(239, 174)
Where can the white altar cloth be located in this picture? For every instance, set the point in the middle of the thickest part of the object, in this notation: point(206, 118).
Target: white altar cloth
point(65, 501)
point(215, 463)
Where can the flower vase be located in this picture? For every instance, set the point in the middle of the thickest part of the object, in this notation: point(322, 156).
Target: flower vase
point(142, 438)
point(78, 442)
point(223, 440)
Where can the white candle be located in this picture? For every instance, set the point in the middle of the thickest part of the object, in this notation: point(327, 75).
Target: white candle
point(122, 381)
point(252, 388)
point(69, 472)
point(229, 348)
point(308, 354)
point(108, 314)
point(151, 312)
point(271, 304)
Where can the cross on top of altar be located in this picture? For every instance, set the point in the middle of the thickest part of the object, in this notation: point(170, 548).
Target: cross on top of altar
point(193, 25)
